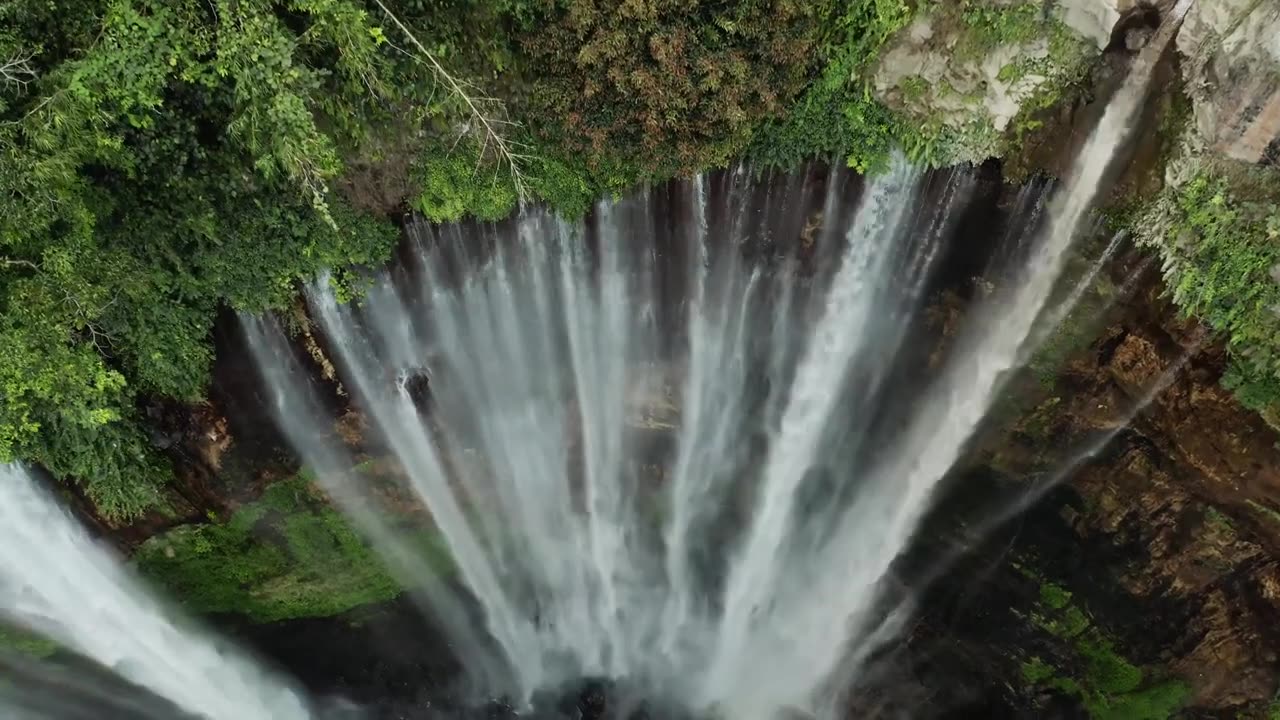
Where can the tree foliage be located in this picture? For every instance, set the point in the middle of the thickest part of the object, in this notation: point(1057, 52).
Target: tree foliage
point(163, 157)
point(1218, 232)
point(669, 84)
point(836, 114)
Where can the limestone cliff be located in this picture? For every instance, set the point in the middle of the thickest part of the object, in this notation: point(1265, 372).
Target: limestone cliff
point(1232, 73)
point(976, 73)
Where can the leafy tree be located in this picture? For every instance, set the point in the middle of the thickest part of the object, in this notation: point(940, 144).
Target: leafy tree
point(670, 85)
point(836, 115)
point(158, 158)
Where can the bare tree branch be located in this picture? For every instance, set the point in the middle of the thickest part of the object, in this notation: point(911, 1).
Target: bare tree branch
point(12, 262)
point(486, 122)
point(17, 71)
point(103, 341)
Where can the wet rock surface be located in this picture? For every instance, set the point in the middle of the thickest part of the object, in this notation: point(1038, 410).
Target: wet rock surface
point(1169, 534)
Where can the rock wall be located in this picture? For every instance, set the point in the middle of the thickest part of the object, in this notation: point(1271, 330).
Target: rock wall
point(1094, 19)
point(1167, 535)
point(977, 74)
point(1232, 73)
point(968, 74)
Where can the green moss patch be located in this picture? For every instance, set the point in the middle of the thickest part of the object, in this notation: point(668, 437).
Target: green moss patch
point(26, 643)
point(287, 555)
point(1091, 668)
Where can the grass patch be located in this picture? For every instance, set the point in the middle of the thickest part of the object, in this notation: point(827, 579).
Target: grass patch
point(287, 555)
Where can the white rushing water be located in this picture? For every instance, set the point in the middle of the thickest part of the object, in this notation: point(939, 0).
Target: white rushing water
point(548, 345)
point(56, 581)
point(544, 357)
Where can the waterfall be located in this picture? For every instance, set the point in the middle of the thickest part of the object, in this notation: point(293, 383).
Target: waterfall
point(56, 581)
point(749, 570)
point(545, 343)
point(677, 444)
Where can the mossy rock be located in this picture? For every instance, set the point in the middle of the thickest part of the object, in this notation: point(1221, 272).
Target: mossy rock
point(1086, 664)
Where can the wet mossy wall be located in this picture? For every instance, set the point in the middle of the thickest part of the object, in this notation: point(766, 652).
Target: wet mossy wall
point(287, 555)
point(1080, 659)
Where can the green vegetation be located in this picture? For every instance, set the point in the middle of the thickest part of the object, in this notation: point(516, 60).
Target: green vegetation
point(837, 113)
point(26, 643)
point(161, 158)
point(654, 88)
point(1054, 597)
point(1218, 231)
point(989, 26)
point(287, 555)
point(1037, 671)
point(451, 187)
point(1109, 686)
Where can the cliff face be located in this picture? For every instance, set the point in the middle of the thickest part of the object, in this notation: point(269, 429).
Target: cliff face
point(1145, 582)
point(1167, 535)
point(1233, 76)
point(975, 75)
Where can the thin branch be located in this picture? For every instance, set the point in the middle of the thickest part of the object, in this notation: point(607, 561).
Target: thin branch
point(31, 113)
point(101, 340)
point(502, 146)
point(11, 262)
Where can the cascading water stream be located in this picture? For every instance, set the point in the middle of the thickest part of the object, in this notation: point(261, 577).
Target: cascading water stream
point(536, 351)
point(55, 581)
